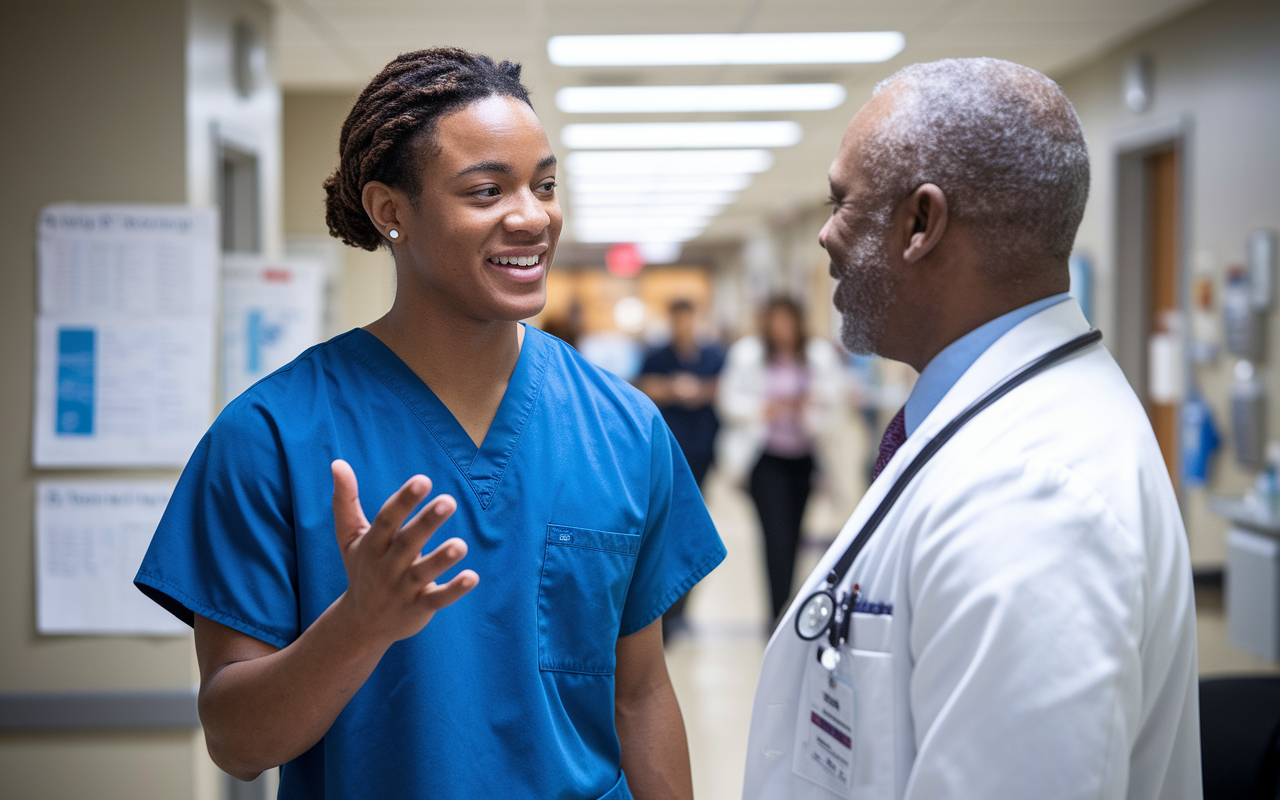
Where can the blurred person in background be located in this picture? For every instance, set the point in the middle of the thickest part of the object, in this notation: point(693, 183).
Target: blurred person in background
point(778, 394)
point(682, 377)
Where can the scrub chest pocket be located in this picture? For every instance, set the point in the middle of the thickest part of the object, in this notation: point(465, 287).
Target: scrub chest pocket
point(585, 575)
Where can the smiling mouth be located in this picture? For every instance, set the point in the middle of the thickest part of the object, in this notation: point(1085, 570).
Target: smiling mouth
point(516, 261)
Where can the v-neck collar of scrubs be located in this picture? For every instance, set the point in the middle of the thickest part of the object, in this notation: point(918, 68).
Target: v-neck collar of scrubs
point(483, 466)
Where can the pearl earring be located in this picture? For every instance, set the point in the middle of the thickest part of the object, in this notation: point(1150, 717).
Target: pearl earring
point(393, 233)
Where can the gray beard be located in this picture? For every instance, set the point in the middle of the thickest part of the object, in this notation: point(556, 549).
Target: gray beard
point(864, 292)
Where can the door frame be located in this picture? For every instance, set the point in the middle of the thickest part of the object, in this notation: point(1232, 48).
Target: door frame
point(1131, 221)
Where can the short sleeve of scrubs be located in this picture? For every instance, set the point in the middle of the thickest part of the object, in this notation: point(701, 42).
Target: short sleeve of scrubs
point(225, 545)
point(680, 542)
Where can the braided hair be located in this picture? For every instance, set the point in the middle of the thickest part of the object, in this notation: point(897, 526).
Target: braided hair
point(390, 127)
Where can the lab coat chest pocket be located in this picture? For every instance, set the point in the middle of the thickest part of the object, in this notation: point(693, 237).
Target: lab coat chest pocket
point(856, 698)
point(871, 672)
point(585, 574)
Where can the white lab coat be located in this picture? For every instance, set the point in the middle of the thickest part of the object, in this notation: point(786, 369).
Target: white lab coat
point(1042, 639)
point(742, 397)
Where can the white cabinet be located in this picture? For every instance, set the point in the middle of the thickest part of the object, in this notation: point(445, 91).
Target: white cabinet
point(1253, 592)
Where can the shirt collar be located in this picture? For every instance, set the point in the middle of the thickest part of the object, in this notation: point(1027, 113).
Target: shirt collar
point(945, 369)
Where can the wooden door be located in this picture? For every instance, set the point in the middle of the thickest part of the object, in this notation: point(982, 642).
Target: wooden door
point(1163, 282)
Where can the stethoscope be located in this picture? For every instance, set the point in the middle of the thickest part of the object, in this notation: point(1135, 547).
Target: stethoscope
point(822, 612)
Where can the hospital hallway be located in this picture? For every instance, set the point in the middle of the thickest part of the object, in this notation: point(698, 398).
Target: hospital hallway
point(689, 206)
point(715, 665)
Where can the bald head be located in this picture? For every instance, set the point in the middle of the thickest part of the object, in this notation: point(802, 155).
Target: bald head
point(999, 139)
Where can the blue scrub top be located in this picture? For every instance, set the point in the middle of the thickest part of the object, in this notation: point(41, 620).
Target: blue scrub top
point(581, 518)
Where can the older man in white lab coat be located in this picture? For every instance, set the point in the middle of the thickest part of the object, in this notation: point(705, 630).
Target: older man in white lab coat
point(1024, 624)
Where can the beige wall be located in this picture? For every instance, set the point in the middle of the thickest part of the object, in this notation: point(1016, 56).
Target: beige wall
point(312, 122)
point(1217, 73)
point(95, 116)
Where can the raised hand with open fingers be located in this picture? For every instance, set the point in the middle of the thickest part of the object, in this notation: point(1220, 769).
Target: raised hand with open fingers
point(391, 584)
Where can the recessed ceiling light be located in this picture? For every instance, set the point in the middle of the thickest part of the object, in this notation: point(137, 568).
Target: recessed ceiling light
point(653, 135)
point(678, 99)
point(667, 162)
point(724, 48)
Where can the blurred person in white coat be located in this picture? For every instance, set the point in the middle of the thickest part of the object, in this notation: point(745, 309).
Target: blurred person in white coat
point(778, 395)
point(1021, 623)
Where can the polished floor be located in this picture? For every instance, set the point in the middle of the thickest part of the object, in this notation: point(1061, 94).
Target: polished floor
point(714, 667)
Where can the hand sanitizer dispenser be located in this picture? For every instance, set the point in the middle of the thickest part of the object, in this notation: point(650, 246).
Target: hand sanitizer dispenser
point(1247, 416)
point(1262, 267)
point(1241, 317)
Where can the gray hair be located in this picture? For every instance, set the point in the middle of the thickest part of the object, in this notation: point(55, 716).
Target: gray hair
point(1002, 142)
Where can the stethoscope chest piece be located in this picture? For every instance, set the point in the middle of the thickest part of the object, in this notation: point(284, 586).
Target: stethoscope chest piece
point(821, 613)
point(815, 615)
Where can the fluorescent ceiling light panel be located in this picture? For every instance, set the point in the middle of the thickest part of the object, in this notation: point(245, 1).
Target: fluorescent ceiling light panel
point(642, 223)
point(622, 213)
point(693, 99)
point(590, 199)
point(637, 235)
point(636, 50)
point(667, 162)
point(653, 135)
point(659, 252)
point(605, 183)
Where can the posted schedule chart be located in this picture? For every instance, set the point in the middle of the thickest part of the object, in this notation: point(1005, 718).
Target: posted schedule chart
point(125, 335)
point(125, 347)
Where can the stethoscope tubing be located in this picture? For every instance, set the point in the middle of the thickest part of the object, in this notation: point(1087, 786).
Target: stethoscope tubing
point(841, 568)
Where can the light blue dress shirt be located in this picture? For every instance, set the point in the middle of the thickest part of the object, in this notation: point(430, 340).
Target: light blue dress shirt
point(945, 369)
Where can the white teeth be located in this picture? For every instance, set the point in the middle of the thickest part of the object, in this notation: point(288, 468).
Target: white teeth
point(517, 261)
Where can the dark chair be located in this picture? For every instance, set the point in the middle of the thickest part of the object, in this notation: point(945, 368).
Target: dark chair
point(1240, 737)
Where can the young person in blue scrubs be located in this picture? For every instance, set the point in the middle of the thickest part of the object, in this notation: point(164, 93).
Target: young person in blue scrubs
point(332, 644)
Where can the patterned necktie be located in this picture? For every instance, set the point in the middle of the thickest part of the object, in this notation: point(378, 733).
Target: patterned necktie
point(894, 436)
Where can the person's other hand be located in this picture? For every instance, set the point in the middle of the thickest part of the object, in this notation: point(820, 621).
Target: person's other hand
point(391, 585)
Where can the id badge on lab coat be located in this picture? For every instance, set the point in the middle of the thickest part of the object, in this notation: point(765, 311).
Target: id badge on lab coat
point(823, 751)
